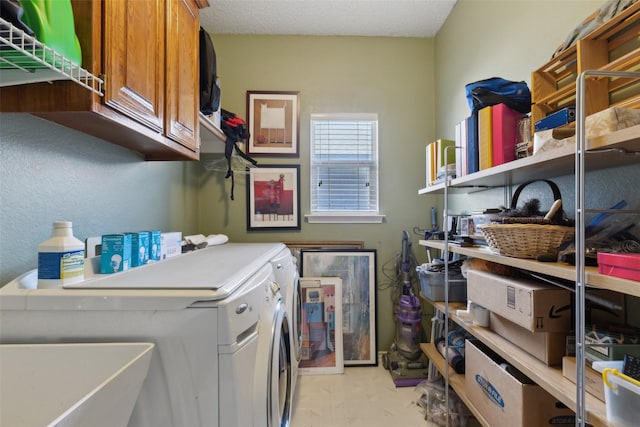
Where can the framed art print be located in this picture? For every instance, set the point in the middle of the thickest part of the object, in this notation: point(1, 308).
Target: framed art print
point(274, 123)
point(273, 197)
point(321, 344)
point(357, 269)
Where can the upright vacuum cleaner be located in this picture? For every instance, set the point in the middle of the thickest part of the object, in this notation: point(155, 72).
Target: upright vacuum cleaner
point(406, 362)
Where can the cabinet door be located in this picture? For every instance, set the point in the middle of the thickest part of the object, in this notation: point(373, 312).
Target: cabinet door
point(183, 75)
point(134, 60)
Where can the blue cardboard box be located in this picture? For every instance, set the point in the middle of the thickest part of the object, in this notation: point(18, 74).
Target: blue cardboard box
point(139, 248)
point(155, 245)
point(116, 253)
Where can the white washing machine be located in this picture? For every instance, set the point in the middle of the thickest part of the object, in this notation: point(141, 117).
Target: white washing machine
point(222, 354)
point(286, 272)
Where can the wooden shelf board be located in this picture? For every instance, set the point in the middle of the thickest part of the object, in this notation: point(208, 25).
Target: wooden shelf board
point(558, 162)
point(554, 269)
point(549, 378)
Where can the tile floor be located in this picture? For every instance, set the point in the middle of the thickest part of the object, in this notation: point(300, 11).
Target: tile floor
point(361, 397)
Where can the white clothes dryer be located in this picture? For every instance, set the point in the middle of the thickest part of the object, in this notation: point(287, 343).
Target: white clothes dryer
point(211, 315)
point(256, 386)
point(286, 273)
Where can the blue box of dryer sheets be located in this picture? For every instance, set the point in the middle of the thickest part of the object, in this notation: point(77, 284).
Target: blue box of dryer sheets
point(116, 253)
point(155, 245)
point(139, 248)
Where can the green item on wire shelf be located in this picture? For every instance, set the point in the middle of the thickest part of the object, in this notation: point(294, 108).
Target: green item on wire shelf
point(52, 22)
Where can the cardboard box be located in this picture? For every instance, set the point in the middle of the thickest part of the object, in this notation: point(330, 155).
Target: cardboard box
point(139, 248)
point(155, 245)
point(548, 347)
point(592, 379)
point(116, 253)
point(533, 305)
point(170, 244)
point(505, 396)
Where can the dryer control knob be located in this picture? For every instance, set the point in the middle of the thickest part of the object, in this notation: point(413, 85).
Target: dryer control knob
point(242, 308)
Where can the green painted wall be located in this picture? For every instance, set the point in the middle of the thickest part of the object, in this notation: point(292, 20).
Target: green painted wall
point(488, 38)
point(389, 76)
point(49, 173)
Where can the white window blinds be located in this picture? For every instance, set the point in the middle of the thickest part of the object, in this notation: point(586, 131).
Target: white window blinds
point(344, 163)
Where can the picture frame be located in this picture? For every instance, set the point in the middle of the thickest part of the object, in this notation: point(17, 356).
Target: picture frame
point(273, 197)
point(357, 269)
point(296, 247)
point(321, 349)
point(273, 119)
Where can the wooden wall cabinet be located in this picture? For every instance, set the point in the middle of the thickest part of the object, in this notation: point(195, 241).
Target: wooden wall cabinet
point(148, 55)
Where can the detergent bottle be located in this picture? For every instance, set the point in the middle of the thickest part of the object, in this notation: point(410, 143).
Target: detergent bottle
point(60, 258)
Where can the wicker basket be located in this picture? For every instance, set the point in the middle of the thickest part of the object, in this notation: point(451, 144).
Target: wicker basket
point(557, 218)
point(528, 237)
point(525, 240)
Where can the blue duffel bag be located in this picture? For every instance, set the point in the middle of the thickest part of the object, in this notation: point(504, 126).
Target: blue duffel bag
point(496, 90)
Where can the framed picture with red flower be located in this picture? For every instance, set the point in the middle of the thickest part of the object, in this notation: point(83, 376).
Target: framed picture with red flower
point(273, 120)
point(273, 197)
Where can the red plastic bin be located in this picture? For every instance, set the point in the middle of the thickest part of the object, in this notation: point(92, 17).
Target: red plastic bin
point(624, 265)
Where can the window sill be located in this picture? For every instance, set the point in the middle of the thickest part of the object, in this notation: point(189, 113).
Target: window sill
point(344, 218)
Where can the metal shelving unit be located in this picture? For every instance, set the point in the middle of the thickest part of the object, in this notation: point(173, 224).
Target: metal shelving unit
point(23, 59)
point(591, 154)
point(581, 151)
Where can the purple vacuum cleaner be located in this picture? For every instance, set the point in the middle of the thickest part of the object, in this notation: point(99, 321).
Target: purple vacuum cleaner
point(406, 362)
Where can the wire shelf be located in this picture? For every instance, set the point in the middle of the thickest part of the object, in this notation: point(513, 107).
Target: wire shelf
point(23, 59)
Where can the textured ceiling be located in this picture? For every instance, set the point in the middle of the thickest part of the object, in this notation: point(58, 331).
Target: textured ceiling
point(391, 18)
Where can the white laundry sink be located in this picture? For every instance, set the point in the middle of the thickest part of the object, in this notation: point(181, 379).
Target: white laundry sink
point(71, 384)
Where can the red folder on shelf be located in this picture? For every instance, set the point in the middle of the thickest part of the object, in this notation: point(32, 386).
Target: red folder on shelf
point(505, 127)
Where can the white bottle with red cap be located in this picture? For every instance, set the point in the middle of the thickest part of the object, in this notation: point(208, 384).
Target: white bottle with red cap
point(60, 258)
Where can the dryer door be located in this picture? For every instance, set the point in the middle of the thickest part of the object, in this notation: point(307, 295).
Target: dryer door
point(279, 396)
point(297, 321)
point(286, 273)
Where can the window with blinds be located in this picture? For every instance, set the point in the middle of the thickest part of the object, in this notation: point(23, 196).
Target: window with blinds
point(344, 163)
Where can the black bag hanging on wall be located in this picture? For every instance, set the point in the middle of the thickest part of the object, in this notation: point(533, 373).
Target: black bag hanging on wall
point(496, 90)
point(209, 89)
point(235, 130)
